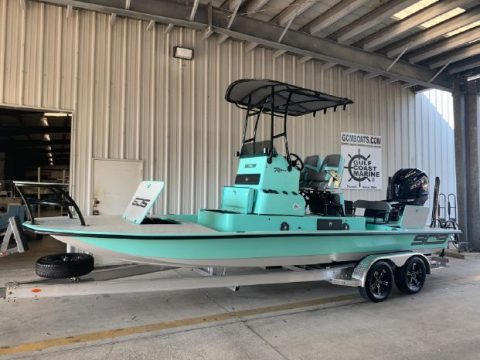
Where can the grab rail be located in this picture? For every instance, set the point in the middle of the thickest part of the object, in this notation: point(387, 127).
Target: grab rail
point(58, 189)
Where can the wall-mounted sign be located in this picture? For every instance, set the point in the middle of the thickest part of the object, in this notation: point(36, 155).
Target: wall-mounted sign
point(363, 161)
point(360, 139)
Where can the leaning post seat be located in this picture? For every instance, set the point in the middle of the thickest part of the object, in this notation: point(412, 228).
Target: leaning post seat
point(318, 182)
point(322, 175)
point(379, 211)
point(332, 168)
point(311, 170)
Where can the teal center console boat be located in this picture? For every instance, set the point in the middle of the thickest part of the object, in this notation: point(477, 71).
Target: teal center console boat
point(280, 211)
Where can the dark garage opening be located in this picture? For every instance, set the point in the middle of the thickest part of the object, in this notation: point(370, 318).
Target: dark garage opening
point(34, 146)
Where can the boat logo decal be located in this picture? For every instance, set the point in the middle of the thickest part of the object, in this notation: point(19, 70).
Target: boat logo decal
point(296, 206)
point(140, 202)
point(277, 169)
point(250, 166)
point(428, 239)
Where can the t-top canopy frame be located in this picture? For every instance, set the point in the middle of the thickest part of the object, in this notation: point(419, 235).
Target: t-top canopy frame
point(267, 95)
point(279, 100)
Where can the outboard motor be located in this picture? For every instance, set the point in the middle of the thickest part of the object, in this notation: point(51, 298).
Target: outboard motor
point(409, 187)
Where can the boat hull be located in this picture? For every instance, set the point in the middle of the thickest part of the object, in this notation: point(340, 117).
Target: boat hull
point(185, 242)
point(255, 251)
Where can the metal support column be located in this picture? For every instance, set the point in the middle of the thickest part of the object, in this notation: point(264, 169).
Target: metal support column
point(467, 159)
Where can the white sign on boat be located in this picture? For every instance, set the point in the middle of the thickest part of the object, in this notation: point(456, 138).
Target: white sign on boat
point(143, 200)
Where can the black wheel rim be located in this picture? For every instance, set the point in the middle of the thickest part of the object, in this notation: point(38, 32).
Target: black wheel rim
point(415, 276)
point(380, 283)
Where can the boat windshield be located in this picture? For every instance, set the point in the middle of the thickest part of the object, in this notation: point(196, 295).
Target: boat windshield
point(256, 148)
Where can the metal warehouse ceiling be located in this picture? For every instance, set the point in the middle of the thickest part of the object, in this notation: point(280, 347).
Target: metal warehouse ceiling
point(423, 43)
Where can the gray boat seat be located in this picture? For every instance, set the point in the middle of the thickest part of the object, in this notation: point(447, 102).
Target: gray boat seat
point(379, 211)
point(322, 175)
point(311, 171)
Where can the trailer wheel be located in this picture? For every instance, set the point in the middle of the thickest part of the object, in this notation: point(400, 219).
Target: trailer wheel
point(411, 277)
point(63, 266)
point(378, 282)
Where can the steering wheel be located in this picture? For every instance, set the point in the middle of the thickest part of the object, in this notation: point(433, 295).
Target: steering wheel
point(296, 162)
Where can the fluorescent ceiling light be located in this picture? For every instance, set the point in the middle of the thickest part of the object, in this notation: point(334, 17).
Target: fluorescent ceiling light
point(44, 121)
point(441, 18)
point(46, 137)
point(474, 77)
point(419, 5)
point(57, 114)
point(463, 28)
point(50, 155)
point(49, 148)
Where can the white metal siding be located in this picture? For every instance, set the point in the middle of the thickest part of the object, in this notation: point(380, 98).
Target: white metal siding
point(132, 100)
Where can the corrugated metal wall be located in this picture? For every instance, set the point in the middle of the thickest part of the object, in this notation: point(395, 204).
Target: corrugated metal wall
point(132, 100)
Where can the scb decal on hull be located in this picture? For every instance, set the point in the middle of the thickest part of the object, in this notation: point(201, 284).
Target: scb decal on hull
point(140, 202)
point(430, 239)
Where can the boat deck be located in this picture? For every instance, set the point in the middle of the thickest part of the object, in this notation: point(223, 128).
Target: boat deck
point(114, 224)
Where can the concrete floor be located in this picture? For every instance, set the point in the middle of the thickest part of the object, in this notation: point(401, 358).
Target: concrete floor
point(294, 321)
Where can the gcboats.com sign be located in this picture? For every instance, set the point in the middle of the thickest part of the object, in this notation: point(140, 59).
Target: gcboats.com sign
point(363, 161)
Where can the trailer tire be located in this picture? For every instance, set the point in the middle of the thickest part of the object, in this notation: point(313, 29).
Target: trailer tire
point(411, 277)
point(378, 282)
point(63, 266)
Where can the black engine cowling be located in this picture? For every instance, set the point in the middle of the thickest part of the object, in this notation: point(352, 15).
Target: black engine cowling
point(409, 187)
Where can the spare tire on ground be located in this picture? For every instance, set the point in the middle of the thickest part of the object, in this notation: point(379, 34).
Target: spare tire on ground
point(63, 266)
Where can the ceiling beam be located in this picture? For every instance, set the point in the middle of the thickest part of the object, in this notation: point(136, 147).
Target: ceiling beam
point(112, 19)
point(151, 25)
point(332, 15)
point(250, 46)
point(194, 10)
point(440, 71)
point(168, 29)
point(278, 53)
point(457, 55)
point(234, 13)
point(207, 33)
point(295, 9)
point(304, 59)
point(465, 67)
point(434, 32)
point(328, 65)
point(253, 6)
point(371, 76)
point(350, 71)
point(266, 34)
point(285, 29)
point(345, 34)
point(234, 6)
point(69, 11)
point(53, 151)
point(22, 123)
point(391, 81)
point(26, 130)
point(407, 86)
point(441, 47)
point(380, 38)
point(30, 143)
